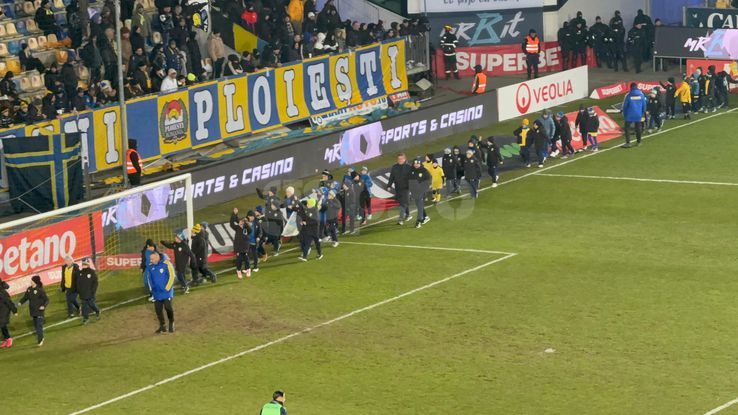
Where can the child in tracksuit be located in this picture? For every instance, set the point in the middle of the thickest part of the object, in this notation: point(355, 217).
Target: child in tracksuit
point(684, 95)
point(254, 236)
point(593, 127)
point(331, 207)
point(365, 200)
point(37, 302)
point(653, 112)
point(437, 179)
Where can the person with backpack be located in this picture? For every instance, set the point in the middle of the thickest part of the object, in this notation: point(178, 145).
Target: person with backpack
point(37, 301)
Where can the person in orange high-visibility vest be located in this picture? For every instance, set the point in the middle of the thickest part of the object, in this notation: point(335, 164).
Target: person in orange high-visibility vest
point(480, 81)
point(133, 163)
point(532, 49)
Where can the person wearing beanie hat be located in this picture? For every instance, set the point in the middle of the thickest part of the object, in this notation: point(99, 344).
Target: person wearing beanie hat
point(521, 133)
point(653, 111)
point(437, 178)
point(331, 207)
point(309, 231)
point(183, 259)
point(241, 243)
point(540, 140)
point(532, 50)
point(7, 306)
point(365, 198)
point(199, 248)
point(350, 191)
point(148, 249)
point(480, 81)
point(420, 181)
point(670, 89)
point(87, 288)
point(563, 134)
point(450, 165)
point(68, 285)
point(160, 274)
point(37, 301)
point(581, 123)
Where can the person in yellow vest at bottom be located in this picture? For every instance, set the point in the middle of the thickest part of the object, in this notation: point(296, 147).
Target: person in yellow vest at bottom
point(532, 49)
point(522, 135)
point(134, 166)
point(480, 81)
point(276, 406)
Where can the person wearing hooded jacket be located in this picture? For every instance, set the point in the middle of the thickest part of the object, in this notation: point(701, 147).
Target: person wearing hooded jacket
point(183, 259)
point(670, 88)
point(722, 88)
point(521, 134)
point(87, 287)
point(549, 128)
point(37, 301)
point(581, 124)
point(593, 128)
point(540, 141)
point(6, 307)
point(310, 227)
point(449, 164)
point(199, 247)
point(241, 244)
point(420, 181)
point(634, 111)
point(472, 172)
point(400, 178)
point(563, 134)
point(331, 206)
point(494, 159)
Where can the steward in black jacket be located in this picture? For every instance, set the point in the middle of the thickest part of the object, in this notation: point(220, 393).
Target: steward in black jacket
point(183, 256)
point(87, 284)
point(420, 181)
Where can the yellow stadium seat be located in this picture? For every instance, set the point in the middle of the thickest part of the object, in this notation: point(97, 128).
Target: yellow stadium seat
point(43, 42)
point(2, 31)
point(10, 29)
point(59, 5)
point(32, 43)
point(3, 68)
point(52, 41)
point(83, 73)
point(14, 66)
point(4, 50)
point(127, 23)
point(32, 26)
point(36, 5)
point(62, 56)
point(28, 8)
point(37, 81)
point(25, 84)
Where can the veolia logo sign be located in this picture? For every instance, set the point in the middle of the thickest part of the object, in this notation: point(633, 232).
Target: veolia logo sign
point(542, 93)
point(522, 98)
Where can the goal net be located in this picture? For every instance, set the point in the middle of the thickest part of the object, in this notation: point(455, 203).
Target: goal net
point(111, 230)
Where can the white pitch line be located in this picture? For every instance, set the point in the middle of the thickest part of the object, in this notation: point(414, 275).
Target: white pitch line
point(639, 179)
point(436, 248)
point(721, 407)
point(295, 334)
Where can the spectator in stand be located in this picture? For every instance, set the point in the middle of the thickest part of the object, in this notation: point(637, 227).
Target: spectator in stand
point(137, 39)
point(7, 87)
point(79, 100)
point(249, 17)
point(126, 48)
point(296, 13)
point(309, 27)
point(91, 58)
point(35, 112)
point(265, 28)
point(45, 18)
point(136, 59)
point(29, 62)
point(166, 23)
point(216, 50)
point(194, 58)
point(270, 57)
point(141, 21)
point(69, 79)
point(132, 89)
point(340, 35)
point(108, 48)
point(247, 62)
point(169, 83)
point(5, 119)
point(233, 67)
point(173, 57)
point(141, 75)
point(352, 35)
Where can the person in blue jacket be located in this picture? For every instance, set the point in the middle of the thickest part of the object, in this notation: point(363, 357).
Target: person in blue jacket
point(365, 199)
point(634, 111)
point(160, 276)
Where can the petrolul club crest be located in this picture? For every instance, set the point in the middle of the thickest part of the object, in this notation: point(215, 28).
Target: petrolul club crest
point(173, 122)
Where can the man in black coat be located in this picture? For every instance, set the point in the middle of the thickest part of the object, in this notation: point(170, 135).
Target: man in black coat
point(37, 303)
point(68, 285)
point(183, 259)
point(617, 44)
point(87, 287)
point(540, 140)
point(563, 36)
point(240, 244)
point(580, 36)
point(563, 134)
point(6, 307)
point(494, 158)
point(274, 223)
point(472, 172)
point(600, 34)
point(450, 165)
point(419, 183)
point(199, 247)
point(637, 45)
point(310, 228)
point(400, 178)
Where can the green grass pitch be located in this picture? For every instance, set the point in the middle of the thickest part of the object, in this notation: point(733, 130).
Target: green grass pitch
point(562, 295)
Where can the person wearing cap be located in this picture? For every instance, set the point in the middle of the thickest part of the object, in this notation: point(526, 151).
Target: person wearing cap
point(68, 285)
point(7, 306)
point(275, 406)
point(494, 159)
point(593, 128)
point(199, 247)
point(521, 133)
point(331, 206)
point(400, 179)
point(37, 301)
point(634, 111)
point(169, 83)
point(183, 258)
point(419, 184)
point(241, 240)
point(563, 134)
point(653, 112)
point(472, 172)
point(450, 163)
point(87, 287)
point(148, 249)
point(309, 221)
point(160, 274)
point(480, 81)
point(365, 199)
point(448, 44)
point(532, 50)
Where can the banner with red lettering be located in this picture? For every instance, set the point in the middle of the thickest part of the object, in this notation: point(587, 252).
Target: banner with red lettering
point(505, 59)
point(41, 251)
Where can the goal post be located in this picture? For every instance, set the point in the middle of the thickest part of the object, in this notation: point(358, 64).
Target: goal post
point(111, 230)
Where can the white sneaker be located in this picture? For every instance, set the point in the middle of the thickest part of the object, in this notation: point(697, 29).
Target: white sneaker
point(302, 258)
point(494, 185)
point(426, 220)
point(335, 244)
point(497, 178)
point(540, 165)
point(409, 217)
point(369, 216)
point(418, 225)
point(320, 256)
point(255, 270)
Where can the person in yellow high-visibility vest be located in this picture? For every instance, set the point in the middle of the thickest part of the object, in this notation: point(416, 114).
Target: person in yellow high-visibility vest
point(532, 49)
point(480, 81)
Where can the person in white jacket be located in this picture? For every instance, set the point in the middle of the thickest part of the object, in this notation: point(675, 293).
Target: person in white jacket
point(169, 83)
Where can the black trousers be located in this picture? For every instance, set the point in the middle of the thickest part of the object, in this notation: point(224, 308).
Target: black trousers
point(254, 255)
point(305, 242)
point(134, 179)
point(531, 62)
point(5, 332)
point(218, 68)
point(38, 325)
point(331, 227)
point(637, 126)
point(242, 261)
point(159, 307)
point(449, 64)
point(205, 271)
